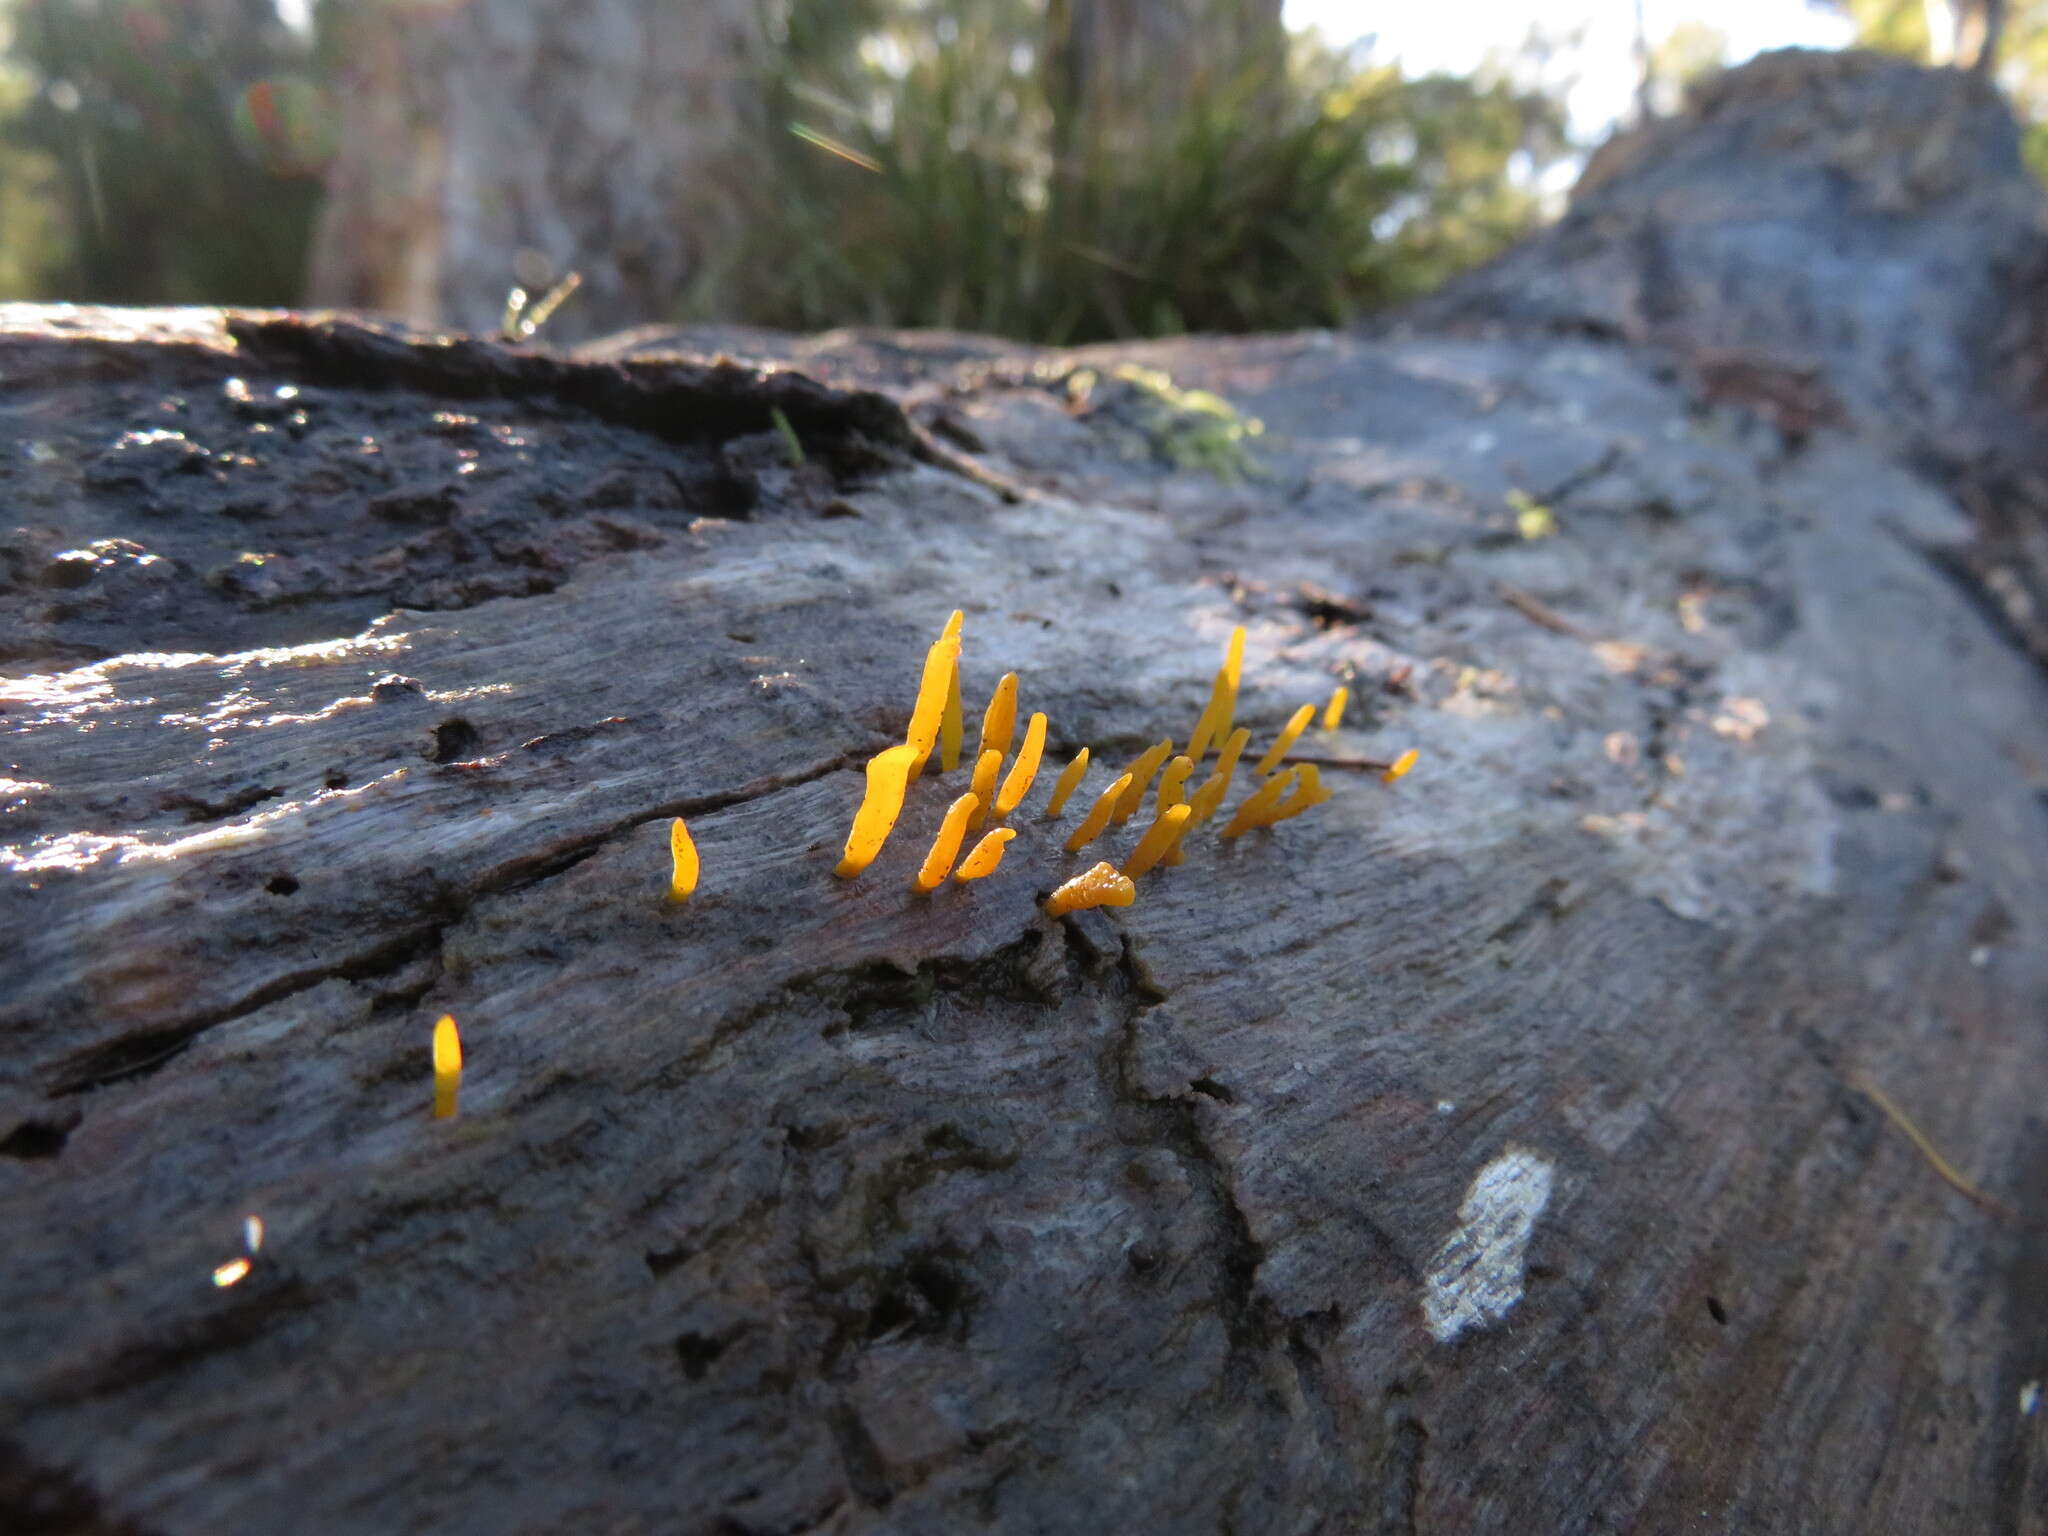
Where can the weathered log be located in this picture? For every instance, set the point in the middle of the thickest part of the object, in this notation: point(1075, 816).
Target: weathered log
point(1521, 1147)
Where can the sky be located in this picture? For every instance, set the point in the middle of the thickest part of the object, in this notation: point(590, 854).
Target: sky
point(1457, 35)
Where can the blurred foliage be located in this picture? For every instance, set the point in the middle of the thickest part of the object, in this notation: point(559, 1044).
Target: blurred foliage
point(168, 151)
point(2020, 66)
point(917, 184)
point(182, 140)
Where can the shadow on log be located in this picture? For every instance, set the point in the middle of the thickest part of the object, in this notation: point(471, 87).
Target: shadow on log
point(1630, 1121)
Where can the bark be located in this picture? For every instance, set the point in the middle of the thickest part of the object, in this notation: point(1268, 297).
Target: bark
point(1521, 1147)
point(502, 143)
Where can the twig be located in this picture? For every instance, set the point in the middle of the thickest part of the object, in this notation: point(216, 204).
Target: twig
point(1927, 1149)
point(1542, 613)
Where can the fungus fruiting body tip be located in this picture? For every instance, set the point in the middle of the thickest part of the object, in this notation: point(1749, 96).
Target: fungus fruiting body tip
point(889, 773)
point(946, 846)
point(1017, 782)
point(1102, 885)
point(1296, 724)
point(1140, 777)
point(447, 1066)
point(1399, 767)
point(1333, 712)
point(1068, 781)
point(683, 852)
point(1158, 840)
point(985, 856)
point(1097, 819)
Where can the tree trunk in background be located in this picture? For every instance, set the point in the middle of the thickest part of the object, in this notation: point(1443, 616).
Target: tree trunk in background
point(1119, 71)
point(504, 142)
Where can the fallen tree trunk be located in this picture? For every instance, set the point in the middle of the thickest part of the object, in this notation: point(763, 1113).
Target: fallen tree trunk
point(1555, 1140)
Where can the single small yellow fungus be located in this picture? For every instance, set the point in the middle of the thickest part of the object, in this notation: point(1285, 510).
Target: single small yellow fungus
point(1068, 781)
point(684, 852)
point(1205, 733)
point(1102, 886)
point(940, 665)
point(982, 860)
point(946, 846)
point(1140, 778)
point(1233, 749)
point(1017, 783)
point(1158, 839)
point(1098, 815)
point(1399, 766)
point(1333, 712)
point(1294, 727)
point(1233, 662)
point(999, 720)
point(952, 724)
point(983, 787)
point(1308, 793)
point(232, 1273)
point(1173, 783)
point(1209, 798)
point(447, 1066)
point(889, 776)
point(1258, 805)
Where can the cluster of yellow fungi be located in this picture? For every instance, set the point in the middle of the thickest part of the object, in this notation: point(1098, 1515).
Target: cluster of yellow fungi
point(937, 720)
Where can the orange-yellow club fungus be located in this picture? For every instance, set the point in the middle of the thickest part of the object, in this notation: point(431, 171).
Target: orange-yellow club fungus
point(1258, 805)
point(1399, 766)
point(1333, 712)
point(1140, 778)
point(999, 720)
point(232, 1273)
point(1102, 886)
point(1209, 798)
point(888, 777)
point(1294, 727)
point(684, 852)
point(447, 1066)
point(1098, 815)
point(946, 846)
point(1308, 793)
point(983, 788)
point(940, 663)
point(1173, 784)
point(982, 860)
point(1216, 716)
point(1017, 783)
point(1160, 837)
point(951, 723)
point(1068, 781)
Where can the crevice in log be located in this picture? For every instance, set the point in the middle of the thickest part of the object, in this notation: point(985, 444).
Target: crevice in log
point(144, 1051)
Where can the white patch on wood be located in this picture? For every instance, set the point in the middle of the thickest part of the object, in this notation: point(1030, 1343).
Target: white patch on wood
point(1476, 1277)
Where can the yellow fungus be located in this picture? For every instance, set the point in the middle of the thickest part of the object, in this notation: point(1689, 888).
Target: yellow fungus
point(1098, 815)
point(1209, 797)
point(946, 846)
point(1333, 712)
point(1258, 805)
point(232, 1273)
point(1140, 778)
point(1158, 839)
point(447, 1066)
point(1068, 781)
point(1017, 783)
point(1206, 732)
point(684, 852)
point(951, 723)
point(1173, 783)
point(888, 778)
point(1308, 793)
point(985, 855)
point(1399, 766)
point(1294, 727)
point(941, 663)
point(1102, 886)
point(999, 720)
point(983, 788)
point(1233, 660)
